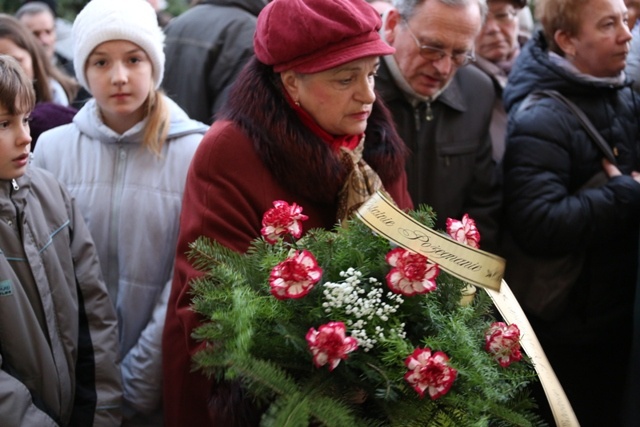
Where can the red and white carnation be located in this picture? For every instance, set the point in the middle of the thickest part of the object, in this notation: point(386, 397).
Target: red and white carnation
point(430, 372)
point(412, 273)
point(329, 344)
point(503, 342)
point(464, 231)
point(295, 276)
point(282, 219)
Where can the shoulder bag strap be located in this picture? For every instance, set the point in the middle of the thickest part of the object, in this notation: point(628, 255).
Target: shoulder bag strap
point(584, 120)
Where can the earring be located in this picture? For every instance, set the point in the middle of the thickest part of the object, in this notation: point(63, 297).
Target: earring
point(297, 103)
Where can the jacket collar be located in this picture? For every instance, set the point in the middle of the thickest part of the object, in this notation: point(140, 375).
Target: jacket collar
point(564, 63)
point(497, 74)
point(89, 122)
point(13, 193)
point(392, 85)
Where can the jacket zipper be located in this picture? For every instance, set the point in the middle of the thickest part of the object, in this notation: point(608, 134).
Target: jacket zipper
point(113, 268)
point(16, 187)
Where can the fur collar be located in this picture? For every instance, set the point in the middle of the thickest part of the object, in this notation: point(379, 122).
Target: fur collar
point(300, 160)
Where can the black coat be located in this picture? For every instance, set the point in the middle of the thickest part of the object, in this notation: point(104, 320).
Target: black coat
point(548, 158)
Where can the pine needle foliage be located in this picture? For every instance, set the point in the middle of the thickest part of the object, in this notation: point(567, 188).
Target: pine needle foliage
point(260, 340)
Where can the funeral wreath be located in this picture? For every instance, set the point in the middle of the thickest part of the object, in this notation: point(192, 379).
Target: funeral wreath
point(343, 328)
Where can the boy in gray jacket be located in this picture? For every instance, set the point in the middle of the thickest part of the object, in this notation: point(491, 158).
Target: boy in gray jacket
point(58, 330)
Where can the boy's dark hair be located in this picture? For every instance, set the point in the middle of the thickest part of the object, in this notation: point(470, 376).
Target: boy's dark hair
point(16, 90)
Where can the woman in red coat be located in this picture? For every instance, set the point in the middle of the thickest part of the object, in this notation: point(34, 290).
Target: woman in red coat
point(303, 125)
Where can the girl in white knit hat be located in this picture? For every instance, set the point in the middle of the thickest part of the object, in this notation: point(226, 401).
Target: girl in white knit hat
point(125, 159)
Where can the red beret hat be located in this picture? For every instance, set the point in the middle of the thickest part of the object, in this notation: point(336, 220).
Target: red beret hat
point(309, 36)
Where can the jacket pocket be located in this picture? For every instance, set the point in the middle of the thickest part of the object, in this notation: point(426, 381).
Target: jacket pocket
point(459, 153)
point(457, 148)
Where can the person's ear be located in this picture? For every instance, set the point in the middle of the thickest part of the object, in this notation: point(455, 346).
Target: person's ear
point(291, 82)
point(565, 42)
point(391, 25)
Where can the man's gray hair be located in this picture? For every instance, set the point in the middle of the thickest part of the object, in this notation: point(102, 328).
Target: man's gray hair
point(406, 7)
point(33, 8)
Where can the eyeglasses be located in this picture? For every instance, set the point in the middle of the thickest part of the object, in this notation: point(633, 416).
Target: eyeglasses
point(431, 53)
point(503, 17)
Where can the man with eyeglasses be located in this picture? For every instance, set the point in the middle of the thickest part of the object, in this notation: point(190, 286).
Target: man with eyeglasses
point(442, 109)
point(497, 47)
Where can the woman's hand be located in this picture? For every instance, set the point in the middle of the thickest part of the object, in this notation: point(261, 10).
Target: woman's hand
point(612, 170)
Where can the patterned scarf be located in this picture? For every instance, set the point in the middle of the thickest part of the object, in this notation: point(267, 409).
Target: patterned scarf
point(362, 183)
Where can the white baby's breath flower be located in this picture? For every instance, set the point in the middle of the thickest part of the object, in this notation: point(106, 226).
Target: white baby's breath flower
point(363, 307)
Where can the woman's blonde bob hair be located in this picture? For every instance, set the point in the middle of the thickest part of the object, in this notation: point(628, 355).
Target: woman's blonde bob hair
point(559, 15)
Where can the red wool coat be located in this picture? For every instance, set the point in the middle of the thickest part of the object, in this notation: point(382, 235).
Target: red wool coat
point(240, 168)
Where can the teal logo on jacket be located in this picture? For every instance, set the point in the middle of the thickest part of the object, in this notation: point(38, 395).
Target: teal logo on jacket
point(6, 288)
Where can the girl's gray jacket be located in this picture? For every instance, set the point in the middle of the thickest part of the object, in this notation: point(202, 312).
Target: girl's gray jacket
point(131, 200)
point(58, 330)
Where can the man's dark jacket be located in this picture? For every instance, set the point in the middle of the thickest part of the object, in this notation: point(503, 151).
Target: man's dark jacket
point(206, 47)
point(450, 167)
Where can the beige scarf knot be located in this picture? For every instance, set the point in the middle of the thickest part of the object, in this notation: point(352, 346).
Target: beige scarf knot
point(362, 182)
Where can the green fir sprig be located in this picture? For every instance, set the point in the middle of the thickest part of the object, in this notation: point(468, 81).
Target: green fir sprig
point(260, 340)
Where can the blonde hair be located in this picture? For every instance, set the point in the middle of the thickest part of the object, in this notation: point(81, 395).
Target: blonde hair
point(157, 128)
point(17, 95)
point(563, 15)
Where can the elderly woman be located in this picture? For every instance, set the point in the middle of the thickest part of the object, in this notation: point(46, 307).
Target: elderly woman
point(549, 158)
point(497, 47)
point(303, 125)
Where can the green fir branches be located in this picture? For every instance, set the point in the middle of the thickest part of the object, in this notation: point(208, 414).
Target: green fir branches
point(260, 340)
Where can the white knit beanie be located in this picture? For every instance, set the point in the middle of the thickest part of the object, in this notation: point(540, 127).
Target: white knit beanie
point(104, 20)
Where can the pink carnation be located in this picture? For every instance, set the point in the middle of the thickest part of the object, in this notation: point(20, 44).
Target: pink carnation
point(503, 342)
point(430, 372)
point(295, 276)
point(412, 273)
point(282, 219)
point(329, 344)
point(464, 231)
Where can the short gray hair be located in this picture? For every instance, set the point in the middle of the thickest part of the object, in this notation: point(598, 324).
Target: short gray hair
point(34, 8)
point(406, 7)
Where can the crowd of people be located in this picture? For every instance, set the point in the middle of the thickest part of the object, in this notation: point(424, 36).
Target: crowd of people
point(152, 131)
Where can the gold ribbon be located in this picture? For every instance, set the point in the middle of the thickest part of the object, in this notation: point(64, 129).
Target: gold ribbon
point(469, 264)
point(508, 306)
point(476, 267)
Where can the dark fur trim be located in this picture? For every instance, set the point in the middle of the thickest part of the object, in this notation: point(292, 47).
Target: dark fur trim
point(300, 160)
